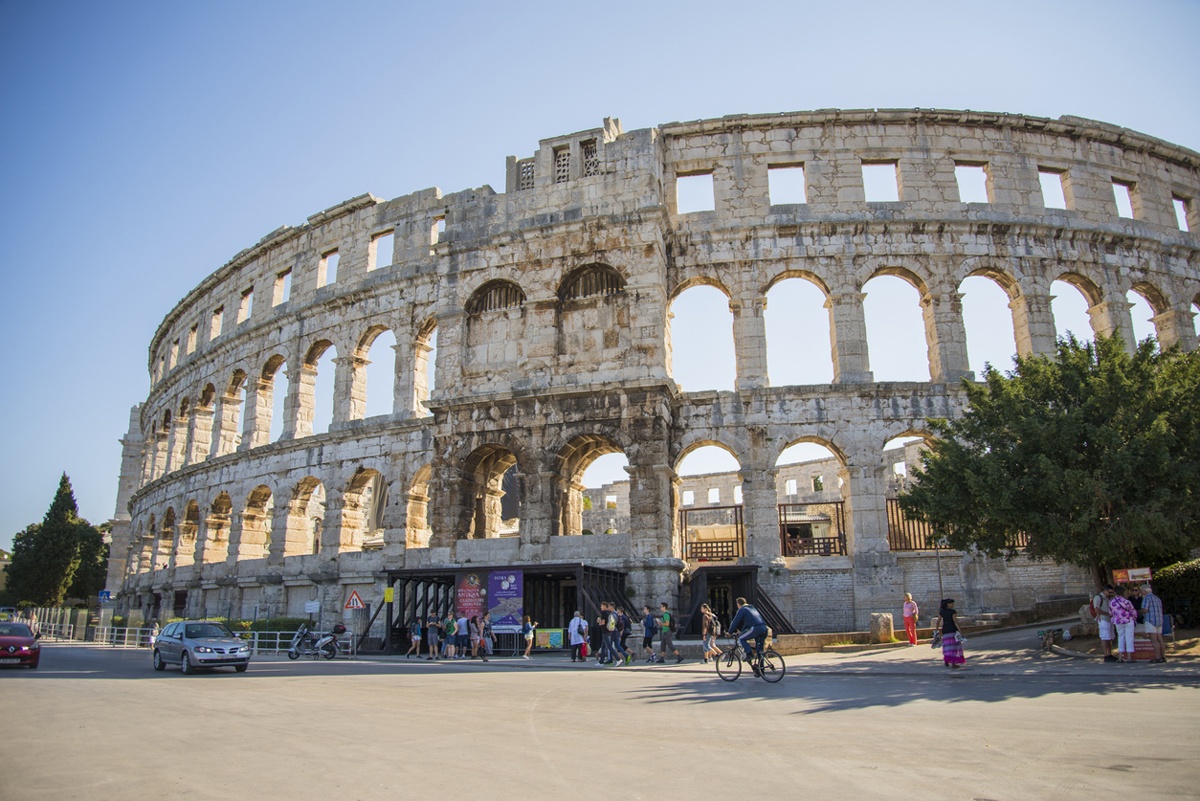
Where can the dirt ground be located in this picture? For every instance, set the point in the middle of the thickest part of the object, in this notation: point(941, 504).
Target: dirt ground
point(1185, 643)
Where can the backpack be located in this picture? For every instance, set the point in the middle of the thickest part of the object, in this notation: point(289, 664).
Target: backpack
point(651, 625)
point(610, 622)
point(716, 626)
point(668, 621)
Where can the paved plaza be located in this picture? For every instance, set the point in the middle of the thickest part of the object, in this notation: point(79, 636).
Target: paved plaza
point(96, 723)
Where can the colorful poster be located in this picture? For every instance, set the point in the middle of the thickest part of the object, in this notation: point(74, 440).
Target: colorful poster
point(470, 595)
point(506, 599)
point(548, 638)
point(1132, 575)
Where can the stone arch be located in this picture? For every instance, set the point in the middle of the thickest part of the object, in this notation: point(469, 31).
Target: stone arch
point(164, 549)
point(149, 546)
point(896, 326)
point(257, 519)
point(1071, 311)
point(217, 528)
point(591, 280)
point(424, 366)
point(798, 329)
point(306, 518)
point(270, 401)
point(363, 503)
point(497, 294)
point(417, 530)
point(490, 474)
point(230, 415)
point(988, 298)
point(1158, 303)
point(313, 417)
point(187, 538)
point(573, 460)
point(704, 361)
point(495, 327)
point(375, 370)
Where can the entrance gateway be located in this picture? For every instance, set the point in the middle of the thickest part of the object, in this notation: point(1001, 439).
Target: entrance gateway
point(548, 593)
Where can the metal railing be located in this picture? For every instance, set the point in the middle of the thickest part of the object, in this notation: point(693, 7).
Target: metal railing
point(56, 631)
point(123, 637)
point(697, 548)
point(812, 529)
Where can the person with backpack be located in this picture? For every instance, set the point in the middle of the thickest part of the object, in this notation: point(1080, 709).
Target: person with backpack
point(666, 640)
point(625, 628)
point(649, 626)
point(612, 625)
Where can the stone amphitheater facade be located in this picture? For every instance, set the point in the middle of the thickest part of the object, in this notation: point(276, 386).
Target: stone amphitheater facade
point(549, 305)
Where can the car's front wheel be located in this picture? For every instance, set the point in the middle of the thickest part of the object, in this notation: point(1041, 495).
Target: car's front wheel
point(185, 664)
point(240, 668)
point(159, 664)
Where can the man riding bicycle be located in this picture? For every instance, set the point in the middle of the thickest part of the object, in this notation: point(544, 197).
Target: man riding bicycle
point(750, 622)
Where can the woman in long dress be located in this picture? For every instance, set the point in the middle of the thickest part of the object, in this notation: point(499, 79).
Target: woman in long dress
point(952, 650)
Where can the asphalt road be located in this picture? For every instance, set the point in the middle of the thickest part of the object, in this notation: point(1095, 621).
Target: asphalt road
point(95, 723)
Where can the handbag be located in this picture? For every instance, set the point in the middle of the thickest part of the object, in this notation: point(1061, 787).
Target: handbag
point(583, 649)
point(937, 640)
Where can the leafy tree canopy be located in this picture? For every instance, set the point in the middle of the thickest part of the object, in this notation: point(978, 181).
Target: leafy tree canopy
point(1093, 454)
point(47, 557)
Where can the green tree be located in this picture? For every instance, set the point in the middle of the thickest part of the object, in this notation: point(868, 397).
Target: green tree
point(1093, 455)
point(46, 557)
point(92, 573)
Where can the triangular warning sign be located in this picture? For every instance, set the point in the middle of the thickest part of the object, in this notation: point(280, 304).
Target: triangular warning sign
point(355, 602)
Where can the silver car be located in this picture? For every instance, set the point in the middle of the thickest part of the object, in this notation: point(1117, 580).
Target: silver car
point(195, 644)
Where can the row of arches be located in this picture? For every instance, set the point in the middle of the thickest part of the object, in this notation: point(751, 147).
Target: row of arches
point(486, 495)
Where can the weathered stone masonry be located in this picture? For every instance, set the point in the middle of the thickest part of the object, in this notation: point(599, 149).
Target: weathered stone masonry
point(549, 305)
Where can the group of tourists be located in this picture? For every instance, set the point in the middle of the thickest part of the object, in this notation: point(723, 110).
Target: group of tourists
point(607, 637)
point(1118, 611)
point(453, 637)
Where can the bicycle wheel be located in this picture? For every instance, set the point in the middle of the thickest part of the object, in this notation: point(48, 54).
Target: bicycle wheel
point(773, 667)
point(729, 665)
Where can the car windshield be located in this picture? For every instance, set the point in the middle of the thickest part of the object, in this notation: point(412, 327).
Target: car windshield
point(15, 630)
point(199, 631)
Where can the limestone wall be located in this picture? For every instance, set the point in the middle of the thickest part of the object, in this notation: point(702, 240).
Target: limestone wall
point(545, 313)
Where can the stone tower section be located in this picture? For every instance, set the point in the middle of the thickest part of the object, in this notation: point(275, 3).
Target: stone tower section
point(521, 335)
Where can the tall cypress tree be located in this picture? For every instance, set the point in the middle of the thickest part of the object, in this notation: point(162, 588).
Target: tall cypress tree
point(46, 557)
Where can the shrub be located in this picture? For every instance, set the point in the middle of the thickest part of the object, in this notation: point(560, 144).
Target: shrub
point(279, 624)
point(1179, 581)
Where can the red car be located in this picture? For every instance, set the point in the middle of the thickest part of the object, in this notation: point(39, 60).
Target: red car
point(19, 645)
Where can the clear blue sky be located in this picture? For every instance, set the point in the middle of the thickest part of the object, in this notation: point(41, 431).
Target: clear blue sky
point(143, 144)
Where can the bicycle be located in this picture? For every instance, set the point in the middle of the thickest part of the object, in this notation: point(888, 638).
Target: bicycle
point(768, 664)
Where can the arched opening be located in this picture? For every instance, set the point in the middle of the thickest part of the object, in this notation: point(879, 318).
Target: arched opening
point(149, 547)
point(164, 551)
point(988, 321)
point(417, 530)
point(216, 529)
point(306, 518)
point(1145, 302)
point(231, 414)
point(593, 317)
point(604, 509)
point(202, 428)
point(363, 505)
point(275, 385)
point(380, 374)
point(798, 325)
point(495, 326)
point(1071, 297)
point(424, 368)
point(895, 327)
point(1196, 318)
point(700, 350)
point(811, 510)
point(711, 526)
point(493, 492)
point(189, 529)
point(256, 523)
point(321, 360)
point(899, 458)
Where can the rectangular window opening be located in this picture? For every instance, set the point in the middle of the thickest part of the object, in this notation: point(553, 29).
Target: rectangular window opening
point(246, 307)
point(737, 494)
point(1053, 194)
point(714, 495)
point(881, 181)
point(173, 358)
point(382, 247)
point(694, 193)
point(524, 175)
point(785, 184)
point(1181, 212)
point(327, 270)
point(818, 483)
point(562, 165)
point(973, 183)
point(789, 487)
point(193, 334)
point(591, 158)
point(1123, 194)
point(283, 288)
point(689, 498)
point(218, 321)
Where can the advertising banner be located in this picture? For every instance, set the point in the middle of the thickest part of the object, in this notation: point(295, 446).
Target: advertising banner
point(470, 595)
point(506, 599)
point(1131, 575)
point(549, 638)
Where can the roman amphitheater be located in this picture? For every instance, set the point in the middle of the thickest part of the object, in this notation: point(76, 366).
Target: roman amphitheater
point(526, 334)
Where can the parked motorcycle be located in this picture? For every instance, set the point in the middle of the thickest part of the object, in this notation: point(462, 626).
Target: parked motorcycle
point(305, 642)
